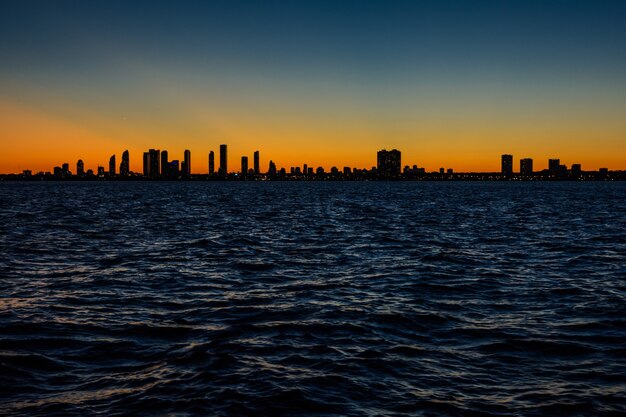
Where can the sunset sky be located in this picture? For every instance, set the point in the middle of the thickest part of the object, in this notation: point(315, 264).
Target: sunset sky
point(449, 83)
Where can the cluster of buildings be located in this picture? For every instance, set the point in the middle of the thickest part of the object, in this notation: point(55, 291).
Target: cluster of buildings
point(158, 166)
point(555, 170)
point(64, 172)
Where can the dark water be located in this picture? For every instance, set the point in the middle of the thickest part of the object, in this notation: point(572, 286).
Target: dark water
point(313, 299)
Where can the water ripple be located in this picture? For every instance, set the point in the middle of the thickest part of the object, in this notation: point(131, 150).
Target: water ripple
point(456, 299)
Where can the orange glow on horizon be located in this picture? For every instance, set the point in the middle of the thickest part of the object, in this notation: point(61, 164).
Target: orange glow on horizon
point(39, 140)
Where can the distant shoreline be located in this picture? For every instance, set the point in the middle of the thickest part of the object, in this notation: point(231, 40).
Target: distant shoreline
point(434, 177)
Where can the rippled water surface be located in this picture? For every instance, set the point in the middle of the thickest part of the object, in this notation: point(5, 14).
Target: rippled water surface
point(312, 299)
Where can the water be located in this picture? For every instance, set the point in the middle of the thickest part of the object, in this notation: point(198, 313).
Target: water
point(428, 299)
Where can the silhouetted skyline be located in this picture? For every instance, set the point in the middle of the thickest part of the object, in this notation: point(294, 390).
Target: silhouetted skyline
point(157, 166)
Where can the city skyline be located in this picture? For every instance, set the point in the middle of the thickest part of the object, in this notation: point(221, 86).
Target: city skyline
point(493, 164)
point(156, 165)
point(326, 83)
point(525, 164)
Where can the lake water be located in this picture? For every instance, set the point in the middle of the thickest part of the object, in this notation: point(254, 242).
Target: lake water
point(208, 298)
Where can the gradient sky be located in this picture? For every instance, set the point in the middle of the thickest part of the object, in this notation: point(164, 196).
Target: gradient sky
point(449, 83)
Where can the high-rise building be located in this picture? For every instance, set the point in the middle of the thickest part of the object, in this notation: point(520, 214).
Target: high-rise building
point(554, 166)
point(257, 166)
point(507, 165)
point(155, 162)
point(165, 164)
point(146, 164)
point(125, 164)
point(576, 170)
point(211, 162)
point(173, 168)
point(112, 166)
point(244, 165)
point(80, 168)
point(272, 169)
point(305, 169)
point(223, 160)
point(388, 163)
point(526, 166)
point(187, 164)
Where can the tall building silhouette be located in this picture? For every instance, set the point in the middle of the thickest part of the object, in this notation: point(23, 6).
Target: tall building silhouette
point(272, 169)
point(80, 168)
point(154, 162)
point(526, 166)
point(257, 165)
point(173, 168)
point(244, 165)
point(187, 164)
point(388, 163)
point(146, 164)
point(165, 171)
point(554, 165)
point(507, 165)
point(223, 160)
point(112, 165)
point(125, 164)
point(211, 162)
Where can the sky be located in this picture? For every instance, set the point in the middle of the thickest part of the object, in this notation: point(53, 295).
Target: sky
point(451, 84)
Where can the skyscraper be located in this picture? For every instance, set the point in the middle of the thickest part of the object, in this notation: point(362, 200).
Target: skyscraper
point(507, 165)
point(146, 164)
point(526, 166)
point(256, 163)
point(388, 163)
point(272, 169)
point(173, 168)
point(155, 160)
point(80, 168)
point(187, 164)
point(165, 164)
point(112, 165)
point(125, 164)
point(223, 160)
point(244, 166)
point(211, 162)
point(553, 166)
